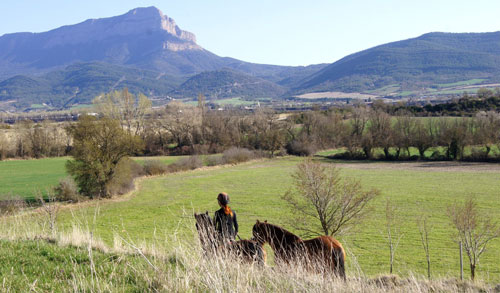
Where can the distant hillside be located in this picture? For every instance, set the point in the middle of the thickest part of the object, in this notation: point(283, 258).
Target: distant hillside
point(228, 83)
point(429, 59)
point(142, 38)
point(71, 64)
point(80, 83)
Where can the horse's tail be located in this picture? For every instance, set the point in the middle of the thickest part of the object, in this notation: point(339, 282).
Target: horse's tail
point(338, 258)
point(341, 263)
point(261, 254)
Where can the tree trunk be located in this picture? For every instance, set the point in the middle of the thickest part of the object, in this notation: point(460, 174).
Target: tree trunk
point(472, 271)
point(428, 268)
point(386, 153)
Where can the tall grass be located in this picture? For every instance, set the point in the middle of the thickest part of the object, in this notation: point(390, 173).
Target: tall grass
point(168, 264)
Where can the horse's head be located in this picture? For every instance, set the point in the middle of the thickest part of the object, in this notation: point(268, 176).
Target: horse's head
point(205, 227)
point(260, 232)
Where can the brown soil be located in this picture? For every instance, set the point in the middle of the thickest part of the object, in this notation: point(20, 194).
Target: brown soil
point(426, 166)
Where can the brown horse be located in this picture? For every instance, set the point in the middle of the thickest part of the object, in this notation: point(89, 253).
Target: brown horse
point(212, 244)
point(321, 253)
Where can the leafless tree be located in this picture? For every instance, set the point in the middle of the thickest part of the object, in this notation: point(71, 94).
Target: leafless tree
point(50, 209)
point(393, 230)
point(324, 202)
point(475, 230)
point(125, 107)
point(424, 228)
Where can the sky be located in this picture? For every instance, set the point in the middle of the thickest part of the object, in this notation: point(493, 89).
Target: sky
point(281, 32)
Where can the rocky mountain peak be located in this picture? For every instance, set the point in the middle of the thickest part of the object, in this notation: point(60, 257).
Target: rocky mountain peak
point(151, 18)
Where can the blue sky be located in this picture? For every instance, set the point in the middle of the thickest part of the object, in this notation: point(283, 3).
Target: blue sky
point(285, 32)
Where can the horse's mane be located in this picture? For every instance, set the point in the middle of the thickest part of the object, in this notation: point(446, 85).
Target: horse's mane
point(284, 231)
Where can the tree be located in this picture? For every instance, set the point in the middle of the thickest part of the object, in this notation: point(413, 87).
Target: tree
point(424, 229)
point(125, 107)
point(474, 230)
point(393, 229)
point(325, 203)
point(98, 146)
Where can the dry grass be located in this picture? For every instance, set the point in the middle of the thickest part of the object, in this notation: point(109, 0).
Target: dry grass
point(169, 265)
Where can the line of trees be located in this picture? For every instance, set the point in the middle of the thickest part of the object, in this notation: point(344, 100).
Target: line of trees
point(363, 132)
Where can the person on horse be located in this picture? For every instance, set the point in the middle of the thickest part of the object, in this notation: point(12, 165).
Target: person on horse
point(225, 220)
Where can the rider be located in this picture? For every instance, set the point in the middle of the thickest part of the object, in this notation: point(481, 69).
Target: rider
point(225, 219)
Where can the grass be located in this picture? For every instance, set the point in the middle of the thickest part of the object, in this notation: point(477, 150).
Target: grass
point(235, 101)
point(38, 266)
point(24, 178)
point(51, 268)
point(461, 83)
point(163, 206)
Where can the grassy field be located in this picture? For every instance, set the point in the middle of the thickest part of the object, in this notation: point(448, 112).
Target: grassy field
point(163, 206)
point(24, 178)
point(39, 266)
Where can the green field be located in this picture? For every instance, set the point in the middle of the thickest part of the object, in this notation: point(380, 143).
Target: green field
point(24, 178)
point(163, 207)
point(462, 83)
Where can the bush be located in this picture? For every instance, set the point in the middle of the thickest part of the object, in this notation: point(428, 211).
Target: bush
point(11, 204)
point(237, 155)
point(67, 190)
point(155, 167)
point(123, 178)
point(214, 160)
point(184, 164)
point(299, 148)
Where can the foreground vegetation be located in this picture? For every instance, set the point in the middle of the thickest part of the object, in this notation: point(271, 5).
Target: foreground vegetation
point(81, 266)
point(163, 206)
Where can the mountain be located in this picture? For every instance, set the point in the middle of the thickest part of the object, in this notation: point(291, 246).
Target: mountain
point(73, 63)
point(428, 60)
point(226, 83)
point(143, 37)
point(79, 83)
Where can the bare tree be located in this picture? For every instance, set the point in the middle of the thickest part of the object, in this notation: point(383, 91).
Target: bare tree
point(50, 209)
point(474, 230)
point(126, 108)
point(424, 229)
point(393, 230)
point(325, 203)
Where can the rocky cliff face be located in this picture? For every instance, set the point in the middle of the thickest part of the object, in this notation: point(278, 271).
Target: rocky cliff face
point(141, 36)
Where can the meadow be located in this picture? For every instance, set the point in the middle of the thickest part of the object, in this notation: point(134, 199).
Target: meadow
point(27, 178)
point(161, 207)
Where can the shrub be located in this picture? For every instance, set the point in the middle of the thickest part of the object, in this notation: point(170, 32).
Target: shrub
point(67, 190)
point(123, 178)
point(299, 148)
point(214, 160)
point(11, 204)
point(155, 167)
point(184, 164)
point(237, 155)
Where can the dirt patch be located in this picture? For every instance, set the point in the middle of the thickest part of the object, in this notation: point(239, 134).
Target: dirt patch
point(425, 166)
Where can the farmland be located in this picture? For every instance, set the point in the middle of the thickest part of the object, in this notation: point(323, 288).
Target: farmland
point(162, 207)
point(25, 178)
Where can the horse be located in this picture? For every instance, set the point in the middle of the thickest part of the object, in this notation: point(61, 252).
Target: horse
point(212, 244)
point(323, 253)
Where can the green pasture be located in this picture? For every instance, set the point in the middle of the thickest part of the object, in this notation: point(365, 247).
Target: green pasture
point(461, 83)
point(164, 205)
point(24, 178)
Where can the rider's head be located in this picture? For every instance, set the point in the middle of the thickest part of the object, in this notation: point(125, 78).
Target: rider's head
point(223, 198)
